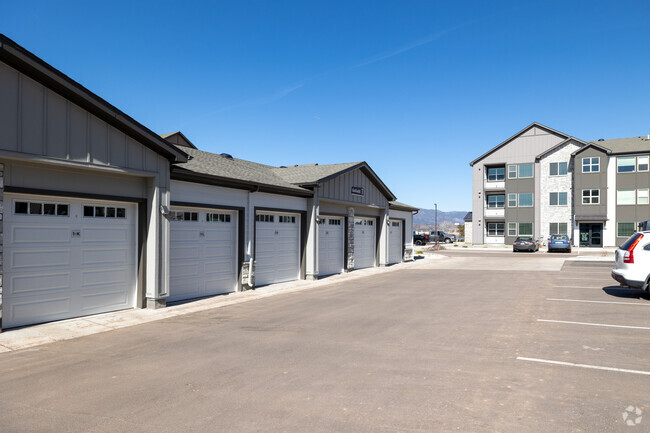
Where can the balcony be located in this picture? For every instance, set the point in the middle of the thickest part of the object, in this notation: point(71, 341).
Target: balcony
point(492, 212)
point(490, 185)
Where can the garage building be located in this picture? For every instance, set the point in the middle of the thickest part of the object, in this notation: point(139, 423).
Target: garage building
point(81, 184)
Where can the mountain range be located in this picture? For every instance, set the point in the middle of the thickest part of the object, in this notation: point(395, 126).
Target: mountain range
point(427, 217)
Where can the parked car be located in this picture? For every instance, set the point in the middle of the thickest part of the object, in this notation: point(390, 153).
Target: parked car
point(441, 236)
point(420, 239)
point(559, 243)
point(525, 244)
point(633, 262)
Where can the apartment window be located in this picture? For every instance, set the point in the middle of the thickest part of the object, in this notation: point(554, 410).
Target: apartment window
point(591, 165)
point(496, 174)
point(496, 201)
point(525, 171)
point(625, 196)
point(512, 200)
point(625, 164)
point(624, 230)
point(558, 199)
point(590, 196)
point(495, 229)
point(642, 163)
point(642, 196)
point(512, 172)
point(525, 229)
point(558, 229)
point(526, 199)
point(558, 168)
point(512, 229)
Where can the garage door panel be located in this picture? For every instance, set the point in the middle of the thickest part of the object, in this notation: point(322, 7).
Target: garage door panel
point(54, 262)
point(330, 246)
point(202, 254)
point(23, 260)
point(46, 309)
point(183, 234)
point(277, 248)
point(37, 284)
point(395, 242)
point(105, 235)
point(106, 256)
point(40, 235)
point(91, 302)
point(364, 243)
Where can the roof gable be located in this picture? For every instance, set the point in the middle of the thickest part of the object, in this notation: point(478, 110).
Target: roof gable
point(33, 67)
point(178, 139)
point(592, 146)
point(560, 145)
point(521, 133)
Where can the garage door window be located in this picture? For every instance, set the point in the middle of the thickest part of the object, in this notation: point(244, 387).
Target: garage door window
point(362, 222)
point(287, 219)
point(334, 222)
point(218, 217)
point(104, 212)
point(39, 208)
point(265, 218)
point(183, 216)
point(394, 224)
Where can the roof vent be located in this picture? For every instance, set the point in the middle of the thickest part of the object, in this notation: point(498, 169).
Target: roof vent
point(601, 139)
point(316, 164)
point(226, 155)
point(296, 165)
point(283, 166)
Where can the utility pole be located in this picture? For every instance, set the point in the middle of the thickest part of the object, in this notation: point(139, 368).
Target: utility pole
point(436, 219)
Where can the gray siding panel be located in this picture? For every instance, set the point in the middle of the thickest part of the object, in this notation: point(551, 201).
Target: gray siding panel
point(32, 117)
point(117, 148)
point(8, 108)
point(98, 141)
point(56, 126)
point(78, 137)
point(590, 181)
point(340, 189)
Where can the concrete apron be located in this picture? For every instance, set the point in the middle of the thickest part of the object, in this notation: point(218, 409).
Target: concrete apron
point(36, 335)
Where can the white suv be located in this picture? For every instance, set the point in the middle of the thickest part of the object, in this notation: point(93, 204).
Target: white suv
point(633, 262)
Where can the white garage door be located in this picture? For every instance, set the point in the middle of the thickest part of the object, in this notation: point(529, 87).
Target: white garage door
point(330, 245)
point(67, 258)
point(395, 242)
point(202, 253)
point(364, 242)
point(277, 248)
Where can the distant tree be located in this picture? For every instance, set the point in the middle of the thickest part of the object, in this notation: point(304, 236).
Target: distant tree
point(461, 231)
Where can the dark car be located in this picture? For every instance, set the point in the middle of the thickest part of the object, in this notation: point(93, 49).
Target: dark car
point(525, 244)
point(559, 243)
point(420, 239)
point(441, 236)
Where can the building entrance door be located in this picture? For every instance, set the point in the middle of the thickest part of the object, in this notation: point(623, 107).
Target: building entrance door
point(591, 235)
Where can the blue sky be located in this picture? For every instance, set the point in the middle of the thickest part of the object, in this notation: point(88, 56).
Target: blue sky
point(417, 89)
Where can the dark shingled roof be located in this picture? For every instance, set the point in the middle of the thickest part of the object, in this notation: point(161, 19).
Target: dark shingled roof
point(468, 217)
point(228, 168)
point(625, 145)
point(312, 173)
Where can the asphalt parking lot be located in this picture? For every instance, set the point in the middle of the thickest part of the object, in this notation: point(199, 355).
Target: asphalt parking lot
point(473, 342)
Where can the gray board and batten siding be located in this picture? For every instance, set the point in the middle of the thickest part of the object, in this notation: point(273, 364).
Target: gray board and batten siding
point(340, 189)
point(521, 148)
point(589, 181)
point(37, 121)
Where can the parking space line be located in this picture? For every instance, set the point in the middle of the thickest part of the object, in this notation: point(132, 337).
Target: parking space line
point(594, 367)
point(594, 324)
point(579, 287)
point(599, 302)
point(583, 279)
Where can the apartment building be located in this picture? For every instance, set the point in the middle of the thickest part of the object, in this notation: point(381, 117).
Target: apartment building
point(542, 181)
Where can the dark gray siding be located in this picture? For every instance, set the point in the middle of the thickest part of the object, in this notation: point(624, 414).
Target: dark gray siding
point(631, 213)
point(519, 214)
point(340, 189)
point(590, 181)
